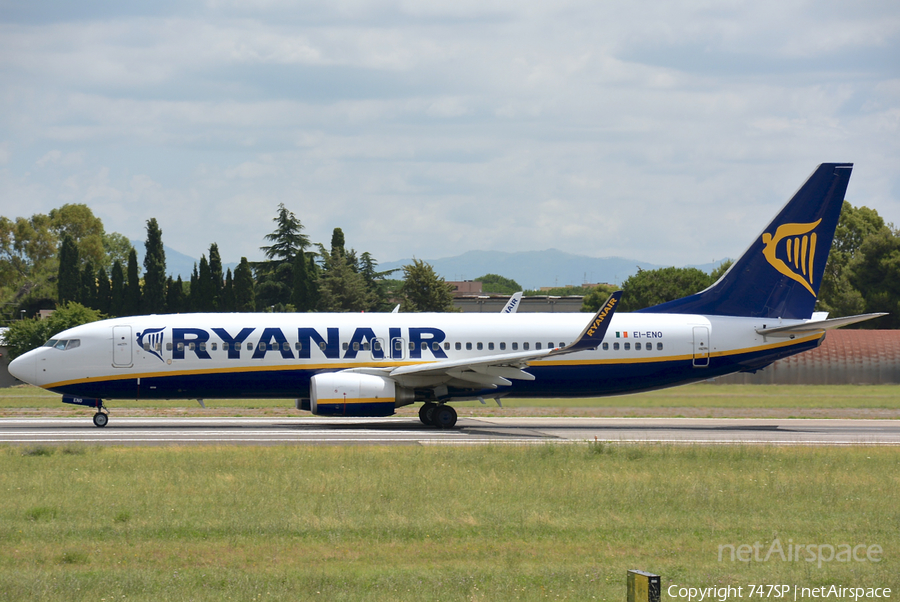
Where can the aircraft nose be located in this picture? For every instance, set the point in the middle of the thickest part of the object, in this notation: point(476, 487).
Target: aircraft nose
point(24, 368)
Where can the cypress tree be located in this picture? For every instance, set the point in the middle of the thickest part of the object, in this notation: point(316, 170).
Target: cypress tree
point(206, 293)
point(192, 302)
point(103, 292)
point(215, 277)
point(117, 290)
point(132, 287)
point(227, 301)
point(69, 279)
point(88, 286)
point(154, 297)
point(174, 295)
point(244, 295)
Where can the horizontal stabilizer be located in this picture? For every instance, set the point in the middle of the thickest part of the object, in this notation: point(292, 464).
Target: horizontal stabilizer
point(816, 325)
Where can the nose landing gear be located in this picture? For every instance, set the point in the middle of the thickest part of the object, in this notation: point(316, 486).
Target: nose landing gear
point(102, 415)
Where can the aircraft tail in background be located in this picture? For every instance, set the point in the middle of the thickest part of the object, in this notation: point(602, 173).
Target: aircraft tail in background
point(780, 274)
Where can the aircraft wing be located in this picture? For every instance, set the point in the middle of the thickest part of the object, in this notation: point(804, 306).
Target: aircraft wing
point(495, 370)
point(816, 325)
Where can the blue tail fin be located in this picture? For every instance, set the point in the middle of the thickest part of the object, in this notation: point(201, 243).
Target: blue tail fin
point(780, 274)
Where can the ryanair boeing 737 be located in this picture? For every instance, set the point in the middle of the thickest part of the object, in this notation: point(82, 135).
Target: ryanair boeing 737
point(368, 364)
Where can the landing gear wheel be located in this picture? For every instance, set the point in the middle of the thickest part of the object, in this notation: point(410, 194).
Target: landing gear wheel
point(100, 419)
point(443, 417)
point(426, 413)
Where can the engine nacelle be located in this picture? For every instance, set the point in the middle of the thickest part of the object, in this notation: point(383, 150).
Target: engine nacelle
point(354, 394)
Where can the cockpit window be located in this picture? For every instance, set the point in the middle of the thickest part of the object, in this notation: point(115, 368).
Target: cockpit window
point(62, 344)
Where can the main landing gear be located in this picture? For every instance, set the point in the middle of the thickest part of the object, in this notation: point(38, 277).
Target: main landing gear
point(440, 415)
point(101, 418)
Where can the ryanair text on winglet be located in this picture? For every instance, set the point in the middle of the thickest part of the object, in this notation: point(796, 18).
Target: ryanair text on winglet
point(601, 316)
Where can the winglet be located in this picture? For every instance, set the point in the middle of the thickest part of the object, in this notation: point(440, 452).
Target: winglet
point(593, 333)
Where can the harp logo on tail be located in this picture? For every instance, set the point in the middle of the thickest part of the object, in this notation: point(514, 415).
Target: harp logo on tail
point(796, 257)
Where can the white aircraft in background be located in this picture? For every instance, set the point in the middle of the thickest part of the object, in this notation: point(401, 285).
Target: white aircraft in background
point(368, 364)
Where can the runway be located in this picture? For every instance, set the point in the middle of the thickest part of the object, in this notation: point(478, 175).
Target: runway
point(409, 431)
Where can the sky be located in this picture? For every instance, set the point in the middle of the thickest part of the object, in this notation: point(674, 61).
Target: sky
point(667, 132)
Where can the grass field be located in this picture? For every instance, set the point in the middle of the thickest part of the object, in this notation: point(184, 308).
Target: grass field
point(694, 400)
point(412, 523)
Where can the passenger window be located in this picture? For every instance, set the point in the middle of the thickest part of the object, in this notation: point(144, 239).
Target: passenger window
point(458, 346)
point(649, 346)
point(637, 346)
point(468, 346)
point(284, 346)
point(525, 346)
point(214, 346)
point(605, 346)
point(202, 346)
point(249, 346)
point(262, 346)
point(226, 346)
point(502, 346)
point(480, 346)
point(412, 346)
point(147, 346)
point(168, 346)
point(537, 346)
point(191, 346)
point(435, 346)
point(398, 346)
point(615, 346)
point(627, 346)
point(365, 346)
point(180, 346)
point(659, 346)
point(424, 346)
point(447, 346)
point(345, 346)
point(377, 345)
point(549, 345)
point(490, 346)
point(515, 346)
point(355, 346)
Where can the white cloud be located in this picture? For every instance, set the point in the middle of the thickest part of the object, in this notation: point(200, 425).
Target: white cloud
point(667, 135)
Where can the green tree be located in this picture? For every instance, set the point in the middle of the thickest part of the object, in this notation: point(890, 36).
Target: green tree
point(153, 299)
point(192, 301)
point(227, 301)
point(28, 264)
point(340, 287)
point(117, 247)
point(104, 298)
point(597, 297)
point(215, 277)
point(77, 221)
point(424, 290)
point(68, 281)
point(244, 295)
point(337, 243)
point(875, 273)
point(175, 298)
point(837, 295)
point(287, 239)
point(719, 271)
point(132, 306)
point(304, 295)
point(117, 290)
point(494, 283)
point(25, 335)
point(88, 295)
point(652, 287)
point(205, 300)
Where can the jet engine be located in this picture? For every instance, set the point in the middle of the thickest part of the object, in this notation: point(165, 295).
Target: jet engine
point(355, 394)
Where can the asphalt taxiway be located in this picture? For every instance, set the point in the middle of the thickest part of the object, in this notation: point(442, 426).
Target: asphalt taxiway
point(409, 431)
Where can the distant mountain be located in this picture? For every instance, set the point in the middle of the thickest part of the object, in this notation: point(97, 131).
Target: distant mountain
point(531, 269)
point(534, 269)
point(177, 264)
